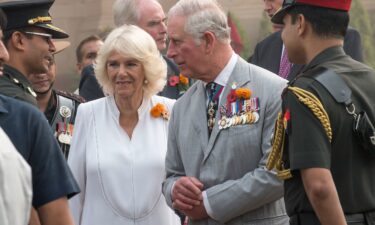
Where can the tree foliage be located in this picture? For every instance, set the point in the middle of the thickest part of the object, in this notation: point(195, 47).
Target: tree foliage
point(265, 27)
point(359, 19)
point(244, 37)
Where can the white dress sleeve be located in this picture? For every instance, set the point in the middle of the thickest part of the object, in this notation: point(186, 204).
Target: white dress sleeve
point(77, 159)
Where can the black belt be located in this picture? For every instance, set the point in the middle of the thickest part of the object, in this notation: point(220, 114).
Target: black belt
point(312, 219)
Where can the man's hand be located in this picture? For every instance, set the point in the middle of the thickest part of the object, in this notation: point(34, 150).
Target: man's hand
point(187, 193)
point(197, 213)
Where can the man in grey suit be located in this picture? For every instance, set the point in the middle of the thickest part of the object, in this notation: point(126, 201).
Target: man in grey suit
point(219, 141)
point(268, 53)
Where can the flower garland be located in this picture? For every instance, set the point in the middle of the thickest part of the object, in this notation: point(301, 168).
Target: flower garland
point(160, 110)
point(180, 81)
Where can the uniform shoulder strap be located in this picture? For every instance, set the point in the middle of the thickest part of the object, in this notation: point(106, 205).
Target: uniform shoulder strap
point(69, 95)
point(335, 85)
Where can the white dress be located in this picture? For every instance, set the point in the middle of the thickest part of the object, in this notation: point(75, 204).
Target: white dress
point(120, 179)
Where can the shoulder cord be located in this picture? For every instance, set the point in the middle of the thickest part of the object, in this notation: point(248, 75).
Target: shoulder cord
point(313, 103)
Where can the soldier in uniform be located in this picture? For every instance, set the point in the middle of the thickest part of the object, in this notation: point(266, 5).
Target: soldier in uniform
point(27, 38)
point(58, 106)
point(324, 144)
point(26, 127)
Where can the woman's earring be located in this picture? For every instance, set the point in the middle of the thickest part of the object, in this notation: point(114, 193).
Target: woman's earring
point(145, 81)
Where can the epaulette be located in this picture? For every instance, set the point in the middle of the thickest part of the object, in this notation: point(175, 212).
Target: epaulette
point(18, 83)
point(72, 96)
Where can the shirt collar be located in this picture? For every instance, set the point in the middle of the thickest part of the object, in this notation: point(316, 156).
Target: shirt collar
point(326, 55)
point(224, 75)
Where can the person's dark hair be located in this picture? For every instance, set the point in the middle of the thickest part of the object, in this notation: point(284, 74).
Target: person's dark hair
point(326, 23)
point(8, 34)
point(3, 20)
point(79, 53)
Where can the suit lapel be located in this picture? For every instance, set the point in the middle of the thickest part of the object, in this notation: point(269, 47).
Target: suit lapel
point(278, 49)
point(239, 77)
point(199, 112)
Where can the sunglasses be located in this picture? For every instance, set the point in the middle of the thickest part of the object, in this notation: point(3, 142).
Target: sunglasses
point(46, 37)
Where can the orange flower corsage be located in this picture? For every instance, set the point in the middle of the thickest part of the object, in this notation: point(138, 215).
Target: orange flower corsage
point(184, 80)
point(243, 93)
point(160, 110)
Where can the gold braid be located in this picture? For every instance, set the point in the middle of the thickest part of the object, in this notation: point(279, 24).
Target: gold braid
point(315, 106)
point(275, 156)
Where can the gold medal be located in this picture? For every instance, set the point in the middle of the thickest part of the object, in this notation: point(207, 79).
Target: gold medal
point(211, 122)
point(243, 119)
point(238, 120)
point(222, 122)
point(256, 117)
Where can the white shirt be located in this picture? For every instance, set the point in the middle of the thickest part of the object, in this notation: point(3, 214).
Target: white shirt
point(223, 77)
point(15, 185)
point(120, 178)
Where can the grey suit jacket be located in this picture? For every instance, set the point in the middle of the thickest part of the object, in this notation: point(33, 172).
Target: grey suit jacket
point(267, 53)
point(231, 163)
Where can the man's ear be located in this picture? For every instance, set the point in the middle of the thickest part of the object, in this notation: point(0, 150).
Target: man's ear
point(209, 40)
point(17, 40)
point(79, 68)
point(301, 25)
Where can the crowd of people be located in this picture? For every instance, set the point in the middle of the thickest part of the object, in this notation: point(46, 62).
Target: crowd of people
point(198, 136)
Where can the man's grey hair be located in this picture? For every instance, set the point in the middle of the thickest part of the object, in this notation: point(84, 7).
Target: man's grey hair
point(202, 16)
point(125, 12)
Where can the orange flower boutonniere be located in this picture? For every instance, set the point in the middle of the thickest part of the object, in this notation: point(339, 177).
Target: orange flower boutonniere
point(184, 80)
point(243, 93)
point(160, 110)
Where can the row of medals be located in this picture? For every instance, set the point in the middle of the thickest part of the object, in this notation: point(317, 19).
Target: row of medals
point(65, 136)
point(247, 115)
point(242, 119)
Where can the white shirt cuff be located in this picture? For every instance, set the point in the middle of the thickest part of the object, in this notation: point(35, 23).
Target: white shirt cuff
point(206, 205)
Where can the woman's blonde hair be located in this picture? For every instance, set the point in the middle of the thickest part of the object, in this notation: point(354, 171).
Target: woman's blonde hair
point(136, 43)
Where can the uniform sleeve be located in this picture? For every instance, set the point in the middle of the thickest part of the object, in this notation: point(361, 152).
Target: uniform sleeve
point(77, 160)
point(308, 144)
point(52, 178)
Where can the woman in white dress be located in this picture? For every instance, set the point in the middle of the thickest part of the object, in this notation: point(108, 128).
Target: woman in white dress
point(120, 141)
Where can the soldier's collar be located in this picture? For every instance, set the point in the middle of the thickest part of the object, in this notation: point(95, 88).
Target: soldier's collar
point(10, 70)
point(324, 56)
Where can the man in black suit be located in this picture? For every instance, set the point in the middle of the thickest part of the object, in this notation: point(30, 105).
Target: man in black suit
point(268, 52)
